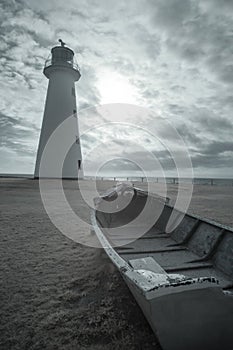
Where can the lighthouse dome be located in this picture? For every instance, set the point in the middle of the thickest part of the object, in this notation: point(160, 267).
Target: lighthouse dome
point(62, 54)
point(61, 57)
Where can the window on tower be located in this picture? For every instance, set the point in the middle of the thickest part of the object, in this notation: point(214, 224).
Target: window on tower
point(73, 91)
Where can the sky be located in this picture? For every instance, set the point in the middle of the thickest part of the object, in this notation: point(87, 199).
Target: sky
point(173, 59)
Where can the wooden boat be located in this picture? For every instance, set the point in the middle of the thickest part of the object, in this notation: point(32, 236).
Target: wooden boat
point(183, 281)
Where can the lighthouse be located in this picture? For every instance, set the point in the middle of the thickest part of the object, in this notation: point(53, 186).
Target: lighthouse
point(60, 107)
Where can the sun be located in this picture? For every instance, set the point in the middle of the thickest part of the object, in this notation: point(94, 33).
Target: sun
point(115, 88)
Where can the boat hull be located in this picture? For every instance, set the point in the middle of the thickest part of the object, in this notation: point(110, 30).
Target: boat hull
point(200, 319)
point(191, 308)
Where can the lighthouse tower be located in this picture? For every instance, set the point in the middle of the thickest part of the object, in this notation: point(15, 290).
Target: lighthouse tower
point(60, 104)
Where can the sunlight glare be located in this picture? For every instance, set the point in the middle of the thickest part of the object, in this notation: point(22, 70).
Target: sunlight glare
point(115, 88)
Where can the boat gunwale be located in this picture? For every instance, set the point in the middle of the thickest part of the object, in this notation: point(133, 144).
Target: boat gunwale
point(194, 216)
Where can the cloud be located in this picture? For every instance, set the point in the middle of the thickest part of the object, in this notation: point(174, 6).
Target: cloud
point(176, 55)
point(17, 135)
point(218, 148)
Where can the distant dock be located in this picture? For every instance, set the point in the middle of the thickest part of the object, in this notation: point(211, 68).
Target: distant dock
point(168, 180)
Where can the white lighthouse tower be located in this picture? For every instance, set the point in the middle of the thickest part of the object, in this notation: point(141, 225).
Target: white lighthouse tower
point(60, 104)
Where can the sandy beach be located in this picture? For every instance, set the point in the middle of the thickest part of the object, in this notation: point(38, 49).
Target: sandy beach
point(58, 294)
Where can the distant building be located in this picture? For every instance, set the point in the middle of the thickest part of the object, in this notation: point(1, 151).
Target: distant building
point(60, 104)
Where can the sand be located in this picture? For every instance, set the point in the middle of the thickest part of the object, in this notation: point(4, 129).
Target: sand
point(57, 294)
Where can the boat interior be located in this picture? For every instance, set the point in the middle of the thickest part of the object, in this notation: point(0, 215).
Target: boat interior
point(195, 248)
